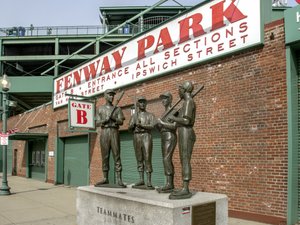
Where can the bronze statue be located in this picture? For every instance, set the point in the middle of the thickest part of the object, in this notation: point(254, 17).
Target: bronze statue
point(110, 118)
point(142, 123)
point(168, 142)
point(186, 137)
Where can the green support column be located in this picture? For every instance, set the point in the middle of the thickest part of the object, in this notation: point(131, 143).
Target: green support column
point(141, 20)
point(56, 54)
point(97, 47)
point(5, 189)
point(292, 98)
point(1, 54)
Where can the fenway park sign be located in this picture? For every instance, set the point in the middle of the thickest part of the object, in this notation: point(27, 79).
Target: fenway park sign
point(204, 32)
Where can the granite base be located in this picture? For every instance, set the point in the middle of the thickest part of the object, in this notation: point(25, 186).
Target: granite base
point(110, 206)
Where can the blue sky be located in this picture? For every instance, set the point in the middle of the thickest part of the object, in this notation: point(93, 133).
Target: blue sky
point(66, 12)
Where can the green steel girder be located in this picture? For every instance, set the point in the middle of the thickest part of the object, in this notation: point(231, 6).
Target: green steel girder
point(43, 57)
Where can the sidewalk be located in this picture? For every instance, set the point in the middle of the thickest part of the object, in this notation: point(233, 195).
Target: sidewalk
point(34, 202)
point(37, 203)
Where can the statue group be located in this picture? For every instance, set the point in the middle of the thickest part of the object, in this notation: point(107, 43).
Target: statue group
point(174, 124)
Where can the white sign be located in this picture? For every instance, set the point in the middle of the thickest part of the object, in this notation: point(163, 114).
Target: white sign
point(204, 32)
point(81, 114)
point(4, 139)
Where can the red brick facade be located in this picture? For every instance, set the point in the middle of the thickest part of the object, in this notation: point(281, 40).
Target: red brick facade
point(241, 127)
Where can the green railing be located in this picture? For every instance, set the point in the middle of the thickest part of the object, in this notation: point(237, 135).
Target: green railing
point(64, 30)
point(81, 30)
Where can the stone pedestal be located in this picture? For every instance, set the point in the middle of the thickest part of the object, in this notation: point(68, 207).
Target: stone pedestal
point(110, 206)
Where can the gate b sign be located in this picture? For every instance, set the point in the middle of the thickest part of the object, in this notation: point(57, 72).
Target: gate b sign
point(81, 114)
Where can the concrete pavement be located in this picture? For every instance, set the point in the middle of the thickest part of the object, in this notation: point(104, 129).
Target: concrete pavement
point(35, 202)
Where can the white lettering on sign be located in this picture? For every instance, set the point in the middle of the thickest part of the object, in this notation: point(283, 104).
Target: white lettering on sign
point(81, 114)
point(298, 17)
point(202, 33)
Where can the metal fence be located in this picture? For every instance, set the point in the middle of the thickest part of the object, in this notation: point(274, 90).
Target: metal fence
point(65, 30)
point(81, 30)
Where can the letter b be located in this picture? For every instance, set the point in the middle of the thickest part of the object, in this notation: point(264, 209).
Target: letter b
point(81, 117)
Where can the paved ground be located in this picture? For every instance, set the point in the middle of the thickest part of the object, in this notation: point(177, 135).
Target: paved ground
point(37, 203)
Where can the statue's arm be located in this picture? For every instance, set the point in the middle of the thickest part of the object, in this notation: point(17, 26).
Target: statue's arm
point(118, 116)
point(101, 119)
point(151, 123)
point(187, 114)
point(132, 123)
point(168, 125)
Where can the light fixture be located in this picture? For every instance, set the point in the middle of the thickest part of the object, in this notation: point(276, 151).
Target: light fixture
point(5, 83)
point(12, 104)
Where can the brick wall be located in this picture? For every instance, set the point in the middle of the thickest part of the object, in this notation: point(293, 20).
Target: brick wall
point(241, 127)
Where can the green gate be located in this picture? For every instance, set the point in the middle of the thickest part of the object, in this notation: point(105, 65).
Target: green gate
point(36, 151)
point(129, 164)
point(76, 161)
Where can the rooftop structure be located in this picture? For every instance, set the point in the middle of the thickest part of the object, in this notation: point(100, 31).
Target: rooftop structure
point(27, 52)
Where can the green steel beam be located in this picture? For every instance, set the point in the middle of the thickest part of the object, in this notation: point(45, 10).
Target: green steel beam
point(31, 84)
point(1, 47)
point(43, 57)
point(97, 48)
point(56, 48)
point(117, 9)
point(116, 39)
point(106, 34)
point(62, 39)
point(27, 41)
point(21, 104)
point(77, 40)
point(56, 52)
point(1, 53)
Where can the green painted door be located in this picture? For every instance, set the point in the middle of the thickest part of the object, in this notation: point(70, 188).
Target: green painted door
point(37, 158)
point(129, 165)
point(76, 161)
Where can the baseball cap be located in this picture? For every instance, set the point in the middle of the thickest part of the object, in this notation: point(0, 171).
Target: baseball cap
point(109, 91)
point(141, 99)
point(166, 94)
